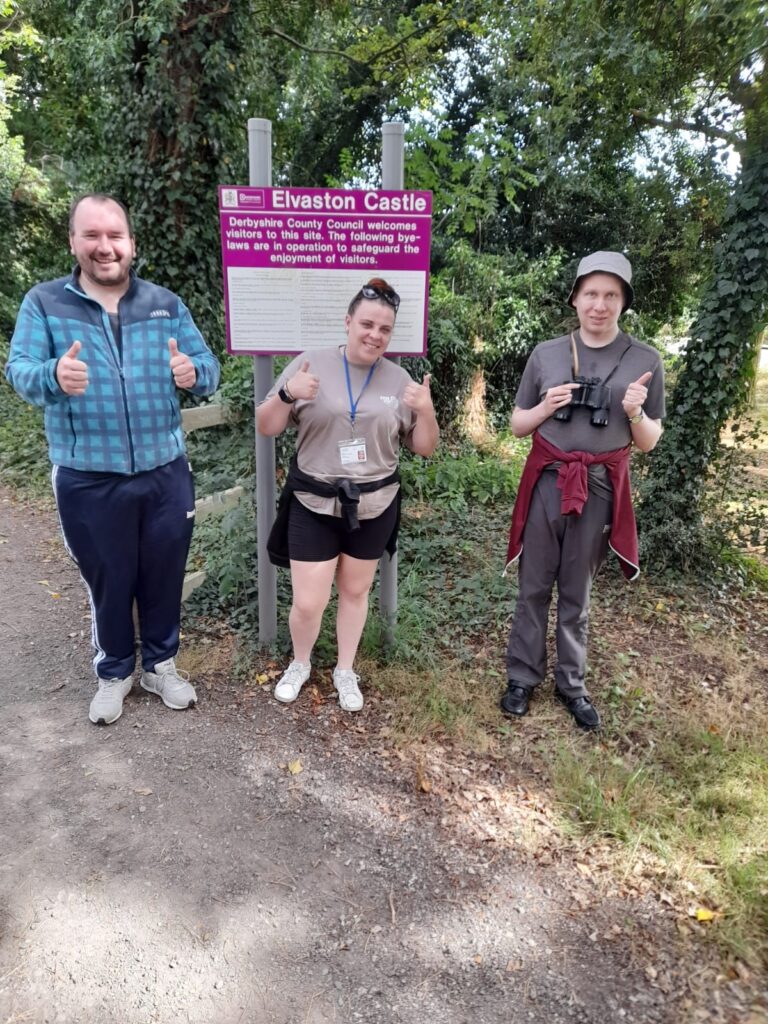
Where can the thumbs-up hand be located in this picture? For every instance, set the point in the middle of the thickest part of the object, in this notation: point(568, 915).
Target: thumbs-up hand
point(303, 384)
point(419, 396)
point(71, 372)
point(636, 394)
point(182, 367)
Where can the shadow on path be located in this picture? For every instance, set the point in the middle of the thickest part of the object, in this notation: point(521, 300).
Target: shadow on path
point(169, 868)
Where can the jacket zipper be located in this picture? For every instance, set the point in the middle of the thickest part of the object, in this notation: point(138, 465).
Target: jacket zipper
point(125, 394)
point(118, 363)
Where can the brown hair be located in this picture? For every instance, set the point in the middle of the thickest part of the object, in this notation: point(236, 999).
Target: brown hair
point(381, 286)
point(99, 197)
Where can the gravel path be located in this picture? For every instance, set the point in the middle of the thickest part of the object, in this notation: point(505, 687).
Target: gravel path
point(170, 868)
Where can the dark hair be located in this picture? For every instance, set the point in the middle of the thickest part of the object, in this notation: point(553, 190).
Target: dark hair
point(99, 197)
point(379, 285)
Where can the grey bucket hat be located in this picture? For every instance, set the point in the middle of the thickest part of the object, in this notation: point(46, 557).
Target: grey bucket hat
point(606, 263)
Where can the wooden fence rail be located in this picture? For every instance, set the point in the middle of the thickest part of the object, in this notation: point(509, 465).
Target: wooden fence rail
point(213, 504)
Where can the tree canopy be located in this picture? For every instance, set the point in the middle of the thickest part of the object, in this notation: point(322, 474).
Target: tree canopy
point(545, 130)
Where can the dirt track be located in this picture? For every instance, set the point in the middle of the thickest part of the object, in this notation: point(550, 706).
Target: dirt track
point(170, 868)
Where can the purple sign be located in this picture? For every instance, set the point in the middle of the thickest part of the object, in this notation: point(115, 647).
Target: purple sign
point(294, 257)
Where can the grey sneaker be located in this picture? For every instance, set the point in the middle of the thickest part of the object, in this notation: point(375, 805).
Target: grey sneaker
point(345, 681)
point(107, 705)
point(291, 681)
point(174, 691)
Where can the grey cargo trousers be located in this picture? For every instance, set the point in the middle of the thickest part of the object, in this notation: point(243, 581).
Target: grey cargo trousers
point(568, 551)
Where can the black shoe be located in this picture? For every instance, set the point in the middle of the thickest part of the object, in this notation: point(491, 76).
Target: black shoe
point(515, 701)
point(584, 714)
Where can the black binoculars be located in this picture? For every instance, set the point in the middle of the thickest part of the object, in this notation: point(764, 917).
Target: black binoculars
point(592, 394)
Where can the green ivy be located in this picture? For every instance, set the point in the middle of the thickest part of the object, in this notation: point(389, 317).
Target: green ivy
point(714, 381)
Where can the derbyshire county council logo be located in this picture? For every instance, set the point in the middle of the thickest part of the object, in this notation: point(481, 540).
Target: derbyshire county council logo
point(229, 197)
point(254, 198)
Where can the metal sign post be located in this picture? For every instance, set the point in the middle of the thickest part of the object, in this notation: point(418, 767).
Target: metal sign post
point(295, 240)
point(392, 177)
point(260, 173)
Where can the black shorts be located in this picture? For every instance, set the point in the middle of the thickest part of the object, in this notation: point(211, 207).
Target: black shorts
point(313, 537)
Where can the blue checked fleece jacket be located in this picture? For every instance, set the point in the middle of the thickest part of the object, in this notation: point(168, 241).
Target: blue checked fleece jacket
point(129, 419)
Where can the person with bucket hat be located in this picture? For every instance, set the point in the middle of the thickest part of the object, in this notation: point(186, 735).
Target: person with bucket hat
point(586, 397)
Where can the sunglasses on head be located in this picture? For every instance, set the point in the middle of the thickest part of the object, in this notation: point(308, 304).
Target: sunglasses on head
point(371, 291)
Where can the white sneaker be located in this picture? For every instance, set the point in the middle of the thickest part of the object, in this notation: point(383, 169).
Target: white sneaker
point(174, 691)
point(345, 681)
point(107, 705)
point(291, 681)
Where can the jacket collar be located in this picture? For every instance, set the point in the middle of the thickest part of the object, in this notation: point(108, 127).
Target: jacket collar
point(74, 284)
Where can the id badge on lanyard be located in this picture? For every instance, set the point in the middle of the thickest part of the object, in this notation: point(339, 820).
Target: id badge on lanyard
point(352, 450)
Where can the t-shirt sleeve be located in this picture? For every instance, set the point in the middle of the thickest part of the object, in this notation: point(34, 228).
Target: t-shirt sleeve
point(407, 426)
point(292, 367)
point(655, 404)
point(528, 393)
point(288, 372)
point(407, 416)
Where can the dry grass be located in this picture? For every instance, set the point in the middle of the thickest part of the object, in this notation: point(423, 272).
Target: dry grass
point(449, 701)
point(676, 789)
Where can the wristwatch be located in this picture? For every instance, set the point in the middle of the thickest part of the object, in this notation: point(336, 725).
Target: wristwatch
point(636, 419)
point(286, 396)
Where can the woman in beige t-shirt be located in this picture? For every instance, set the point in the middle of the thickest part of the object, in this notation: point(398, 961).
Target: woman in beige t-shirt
point(340, 509)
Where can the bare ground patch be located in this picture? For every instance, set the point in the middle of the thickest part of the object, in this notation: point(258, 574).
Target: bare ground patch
point(249, 862)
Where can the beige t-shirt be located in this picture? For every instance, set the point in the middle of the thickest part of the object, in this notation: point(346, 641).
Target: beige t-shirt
point(323, 424)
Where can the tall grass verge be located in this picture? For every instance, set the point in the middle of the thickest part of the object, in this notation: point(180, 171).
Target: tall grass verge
point(682, 779)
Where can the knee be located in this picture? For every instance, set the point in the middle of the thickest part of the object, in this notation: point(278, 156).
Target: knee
point(535, 598)
point(352, 592)
point(574, 616)
point(308, 605)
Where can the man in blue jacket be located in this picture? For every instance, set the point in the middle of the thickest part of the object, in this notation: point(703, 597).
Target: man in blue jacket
point(104, 352)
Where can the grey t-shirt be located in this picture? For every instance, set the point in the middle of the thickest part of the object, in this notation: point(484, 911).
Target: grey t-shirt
point(381, 419)
point(550, 364)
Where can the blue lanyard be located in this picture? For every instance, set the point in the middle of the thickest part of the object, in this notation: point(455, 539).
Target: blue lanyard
point(353, 403)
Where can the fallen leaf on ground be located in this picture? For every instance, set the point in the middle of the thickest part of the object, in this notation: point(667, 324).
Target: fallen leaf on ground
point(423, 781)
point(294, 767)
point(740, 970)
point(143, 792)
point(705, 914)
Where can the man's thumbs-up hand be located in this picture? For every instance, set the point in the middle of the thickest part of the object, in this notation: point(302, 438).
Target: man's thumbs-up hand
point(182, 367)
point(636, 394)
point(71, 372)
